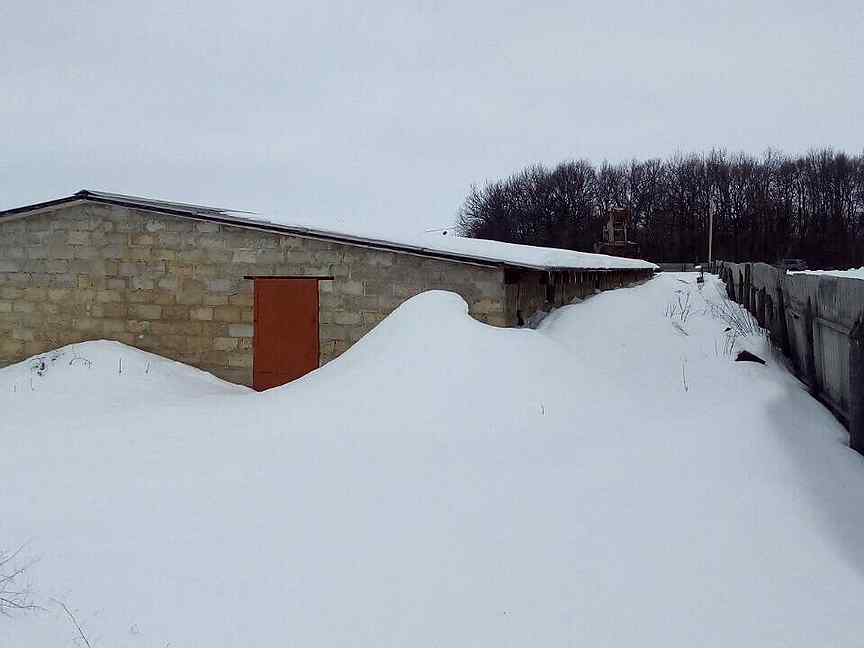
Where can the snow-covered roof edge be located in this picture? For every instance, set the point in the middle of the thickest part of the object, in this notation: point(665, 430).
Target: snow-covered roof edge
point(455, 248)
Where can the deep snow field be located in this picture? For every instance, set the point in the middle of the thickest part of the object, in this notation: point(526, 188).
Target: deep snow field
point(611, 478)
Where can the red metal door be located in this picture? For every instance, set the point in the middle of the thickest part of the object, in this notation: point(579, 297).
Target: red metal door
point(285, 345)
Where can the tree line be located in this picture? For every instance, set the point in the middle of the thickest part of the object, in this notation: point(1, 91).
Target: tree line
point(763, 209)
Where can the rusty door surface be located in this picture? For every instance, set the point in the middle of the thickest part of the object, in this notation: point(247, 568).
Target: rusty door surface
point(285, 343)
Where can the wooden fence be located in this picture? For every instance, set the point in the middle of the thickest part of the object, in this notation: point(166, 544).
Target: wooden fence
point(817, 321)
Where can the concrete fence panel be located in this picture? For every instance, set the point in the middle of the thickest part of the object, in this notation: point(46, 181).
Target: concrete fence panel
point(814, 319)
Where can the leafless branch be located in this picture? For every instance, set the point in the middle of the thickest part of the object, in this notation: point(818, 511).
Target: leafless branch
point(13, 595)
point(684, 374)
point(74, 622)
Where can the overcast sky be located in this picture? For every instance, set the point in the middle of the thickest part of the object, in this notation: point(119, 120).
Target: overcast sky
point(382, 114)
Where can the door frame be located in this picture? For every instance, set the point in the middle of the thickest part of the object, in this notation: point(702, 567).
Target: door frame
point(255, 278)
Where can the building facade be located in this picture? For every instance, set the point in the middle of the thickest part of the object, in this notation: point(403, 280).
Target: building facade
point(251, 305)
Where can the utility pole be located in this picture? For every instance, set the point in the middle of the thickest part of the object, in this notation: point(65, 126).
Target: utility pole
point(710, 238)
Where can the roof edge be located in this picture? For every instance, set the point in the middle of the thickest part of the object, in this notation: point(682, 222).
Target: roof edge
point(226, 217)
point(41, 205)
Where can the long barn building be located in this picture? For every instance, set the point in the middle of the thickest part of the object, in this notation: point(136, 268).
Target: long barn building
point(254, 301)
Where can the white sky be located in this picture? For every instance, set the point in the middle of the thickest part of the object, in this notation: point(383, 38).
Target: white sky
point(383, 114)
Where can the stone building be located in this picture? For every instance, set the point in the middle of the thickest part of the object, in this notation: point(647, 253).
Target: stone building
point(251, 300)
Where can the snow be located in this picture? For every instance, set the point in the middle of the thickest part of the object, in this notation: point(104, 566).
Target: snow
point(86, 370)
point(851, 273)
point(445, 241)
point(528, 255)
point(442, 483)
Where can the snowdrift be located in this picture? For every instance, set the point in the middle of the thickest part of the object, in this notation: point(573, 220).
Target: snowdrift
point(611, 478)
point(107, 370)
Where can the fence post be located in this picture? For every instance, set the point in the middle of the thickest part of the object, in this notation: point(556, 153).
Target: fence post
point(856, 386)
point(810, 341)
point(729, 280)
point(762, 308)
point(733, 293)
point(782, 326)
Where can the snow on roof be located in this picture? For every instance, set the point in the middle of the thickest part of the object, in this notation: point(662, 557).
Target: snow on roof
point(483, 250)
point(446, 245)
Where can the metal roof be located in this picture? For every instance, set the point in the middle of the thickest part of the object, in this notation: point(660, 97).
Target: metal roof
point(487, 253)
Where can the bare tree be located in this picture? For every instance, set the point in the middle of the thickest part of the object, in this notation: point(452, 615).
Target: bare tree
point(767, 208)
point(14, 595)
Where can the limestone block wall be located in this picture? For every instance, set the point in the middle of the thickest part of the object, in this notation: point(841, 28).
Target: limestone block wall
point(176, 287)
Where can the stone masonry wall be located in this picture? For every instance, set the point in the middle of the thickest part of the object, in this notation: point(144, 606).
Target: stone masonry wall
point(175, 286)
